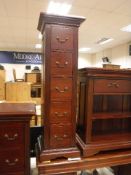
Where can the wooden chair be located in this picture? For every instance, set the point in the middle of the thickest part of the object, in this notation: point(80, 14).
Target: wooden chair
point(14, 75)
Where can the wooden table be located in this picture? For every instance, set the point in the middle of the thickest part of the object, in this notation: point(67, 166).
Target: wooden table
point(70, 167)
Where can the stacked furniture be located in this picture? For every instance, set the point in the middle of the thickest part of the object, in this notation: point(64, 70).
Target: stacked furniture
point(60, 42)
point(14, 138)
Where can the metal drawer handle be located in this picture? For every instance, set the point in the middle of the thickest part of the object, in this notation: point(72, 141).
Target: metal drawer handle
point(11, 163)
point(61, 40)
point(114, 84)
point(11, 138)
point(61, 66)
point(61, 114)
point(62, 91)
point(58, 138)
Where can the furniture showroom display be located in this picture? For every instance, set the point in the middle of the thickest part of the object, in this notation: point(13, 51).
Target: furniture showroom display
point(98, 103)
point(104, 114)
point(60, 49)
point(14, 138)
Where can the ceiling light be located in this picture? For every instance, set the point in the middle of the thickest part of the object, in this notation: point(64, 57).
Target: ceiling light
point(58, 8)
point(38, 46)
point(84, 49)
point(40, 36)
point(127, 28)
point(104, 41)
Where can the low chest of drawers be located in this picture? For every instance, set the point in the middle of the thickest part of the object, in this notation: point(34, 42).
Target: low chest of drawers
point(14, 138)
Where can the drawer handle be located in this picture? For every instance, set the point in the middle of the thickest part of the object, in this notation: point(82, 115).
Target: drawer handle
point(58, 138)
point(114, 84)
point(61, 40)
point(61, 66)
point(11, 163)
point(62, 91)
point(11, 138)
point(61, 114)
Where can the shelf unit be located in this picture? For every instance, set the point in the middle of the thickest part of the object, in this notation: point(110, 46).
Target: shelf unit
point(104, 119)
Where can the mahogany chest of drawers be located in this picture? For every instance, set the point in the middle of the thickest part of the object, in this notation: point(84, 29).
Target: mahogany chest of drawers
point(14, 138)
point(104, 119)
point(60, 52)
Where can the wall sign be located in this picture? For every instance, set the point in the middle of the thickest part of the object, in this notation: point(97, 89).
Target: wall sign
point(20, 57)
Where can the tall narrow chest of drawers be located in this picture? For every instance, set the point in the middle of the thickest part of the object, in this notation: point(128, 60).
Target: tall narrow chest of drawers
point(14, 138)
point(60, 47)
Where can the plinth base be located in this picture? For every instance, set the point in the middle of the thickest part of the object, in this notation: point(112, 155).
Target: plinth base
point(96, 147)
point(59, 153)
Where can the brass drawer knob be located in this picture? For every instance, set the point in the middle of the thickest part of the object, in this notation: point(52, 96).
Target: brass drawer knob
point(61, 91)
point(11, 163)
point(61, 40)
point(14, 137)
point(61, 114)
point(61, 66)
point(113, 84)
point(60, 138)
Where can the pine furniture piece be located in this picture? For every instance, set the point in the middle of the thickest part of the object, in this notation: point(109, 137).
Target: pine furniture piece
point(18, 91)
point(14, 138)
point(2, 84)
point(60, 50)
point(104, 117)
point(33, 77)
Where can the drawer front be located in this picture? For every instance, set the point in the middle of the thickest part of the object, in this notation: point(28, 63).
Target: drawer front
point(60, 135)
point(11, 134)
point(61, 88)
point(12, 160)
point(60, 112)
point(61, 38)
point(61, 63)
point(112, 86)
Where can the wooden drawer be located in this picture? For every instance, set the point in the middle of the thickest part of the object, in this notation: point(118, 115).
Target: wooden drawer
point(11, 160)
point(60, 135)
point(62, 38)
point(60, 112)
point(61, 63)
point(11, 134)
point(112, 86)
point(61, 88)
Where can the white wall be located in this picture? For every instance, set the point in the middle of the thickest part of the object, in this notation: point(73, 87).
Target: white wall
point(117, 55)
point(20, 70)
point(84, 60)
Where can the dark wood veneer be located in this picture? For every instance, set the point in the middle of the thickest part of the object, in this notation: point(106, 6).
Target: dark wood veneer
point(104, 110)
point(14, 138)
point(105, 159)
point(60, 43)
